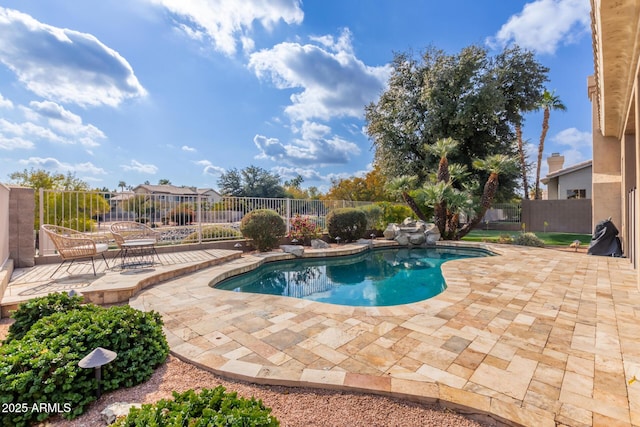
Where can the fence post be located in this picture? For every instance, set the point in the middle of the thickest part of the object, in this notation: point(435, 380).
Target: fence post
point(199, 216)
point(288, 215)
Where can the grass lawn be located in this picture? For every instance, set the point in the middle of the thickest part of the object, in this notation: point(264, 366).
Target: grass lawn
point(551, 239)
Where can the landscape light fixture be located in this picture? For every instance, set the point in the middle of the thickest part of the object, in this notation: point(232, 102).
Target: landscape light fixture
point(98, 357)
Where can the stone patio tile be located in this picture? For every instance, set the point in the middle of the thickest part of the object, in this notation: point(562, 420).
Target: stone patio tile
point(578, 384)
point(441, 376)
point(428, 392)
point(324, 377)
point(329, 354)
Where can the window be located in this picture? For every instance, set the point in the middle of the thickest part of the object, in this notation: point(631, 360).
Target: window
point(576, 194)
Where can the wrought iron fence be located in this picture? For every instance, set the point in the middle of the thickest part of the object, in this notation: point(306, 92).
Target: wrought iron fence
point(503, 213)
point(178, 218)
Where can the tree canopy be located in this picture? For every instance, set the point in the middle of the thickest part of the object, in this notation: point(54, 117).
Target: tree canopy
point(252, 181)
point(40, 178)
point(469, 96)
point(370, 188)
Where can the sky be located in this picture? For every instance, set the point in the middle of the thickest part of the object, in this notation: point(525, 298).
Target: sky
point(185, 90)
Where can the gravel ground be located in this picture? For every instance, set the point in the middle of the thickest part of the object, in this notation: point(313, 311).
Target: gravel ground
point(293, 407)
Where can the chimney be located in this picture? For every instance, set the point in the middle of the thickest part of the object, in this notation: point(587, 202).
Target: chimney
point(556, 161)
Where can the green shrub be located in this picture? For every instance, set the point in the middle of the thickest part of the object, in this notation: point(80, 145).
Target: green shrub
point(214, 232)
point(394, 213)
point(31, 311)
point(374, 215)
point(304, 229)
point(43, 365)
point(265, 227)
point(349, 224)
point(209, 407)
point(528, 239)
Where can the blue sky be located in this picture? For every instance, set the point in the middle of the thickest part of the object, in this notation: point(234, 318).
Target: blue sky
point(143, 90)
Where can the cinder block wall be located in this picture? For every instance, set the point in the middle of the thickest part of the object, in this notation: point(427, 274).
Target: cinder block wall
point(22, 248)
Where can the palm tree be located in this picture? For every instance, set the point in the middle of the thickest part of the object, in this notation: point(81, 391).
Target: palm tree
point(548, 102)
point(496, 164)
point(443, 148)
point(523, 160)
point(122, 185)
point(401, 186)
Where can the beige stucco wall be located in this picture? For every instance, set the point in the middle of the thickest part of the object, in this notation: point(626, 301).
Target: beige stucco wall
point(578, 180)
point(21, 213)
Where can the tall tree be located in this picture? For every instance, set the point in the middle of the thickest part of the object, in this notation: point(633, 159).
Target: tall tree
point(522, 80)
point(252, 181)
point(164, 181)
point(469, 96)
point(548, 102)
point(122, 185)
point(370, 188)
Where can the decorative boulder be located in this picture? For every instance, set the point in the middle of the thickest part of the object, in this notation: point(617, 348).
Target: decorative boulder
point(417, 238)
point(319, 244)
point(115, 410)
point(412, 232)
point(297, 250)
point(391, 232)
point(402, 239)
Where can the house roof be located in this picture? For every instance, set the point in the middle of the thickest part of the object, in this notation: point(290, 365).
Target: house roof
point(207, 190)
point(166, 189)
point(567, 170)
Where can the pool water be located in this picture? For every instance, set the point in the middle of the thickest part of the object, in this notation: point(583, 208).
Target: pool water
point(380, 277)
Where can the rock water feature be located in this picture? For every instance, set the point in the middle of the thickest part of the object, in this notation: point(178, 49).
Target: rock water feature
point(412, 233)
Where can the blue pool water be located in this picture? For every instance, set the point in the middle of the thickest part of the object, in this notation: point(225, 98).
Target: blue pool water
point(380, 277)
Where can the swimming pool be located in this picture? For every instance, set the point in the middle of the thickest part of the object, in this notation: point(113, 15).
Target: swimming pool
point(379, 277)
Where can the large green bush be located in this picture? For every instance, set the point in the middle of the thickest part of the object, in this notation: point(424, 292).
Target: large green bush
point(394, 213)
point(33, 310)
point(210, 407)
point(349, 224)
point(42, 366)
point(265, 227)
point(374, 214)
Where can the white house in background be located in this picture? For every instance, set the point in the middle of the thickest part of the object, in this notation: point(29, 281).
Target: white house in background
point(573, 182)
point(172, 193)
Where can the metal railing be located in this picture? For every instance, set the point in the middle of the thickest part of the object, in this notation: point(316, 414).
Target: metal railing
point(503, 212)
point(179, 218)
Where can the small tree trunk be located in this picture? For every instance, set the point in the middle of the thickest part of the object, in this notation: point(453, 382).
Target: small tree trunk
point(414, 206)
point(523, 162)
point(490, 189)
point(543, 135)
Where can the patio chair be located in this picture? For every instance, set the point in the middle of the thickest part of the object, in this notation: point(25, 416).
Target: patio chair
point(74, 245)
point(126, 231)
point(134, 238)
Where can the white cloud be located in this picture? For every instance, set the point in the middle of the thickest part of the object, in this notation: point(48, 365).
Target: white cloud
point(136, 166)
point(50, 163)
point(65, 122)
point(333, 81)
point(5, 103)
point(14, 143)
point(189, 149)
point(291, 172)
point(579, 143)
point(315, 147)
point(544, 25)
point(229, 23)
point(28, 130)
point(209, 168)
point(64, 65)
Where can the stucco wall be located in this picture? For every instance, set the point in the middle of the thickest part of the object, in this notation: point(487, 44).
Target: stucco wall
point(22, 248)
point(577, 180)
point(4, 224)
